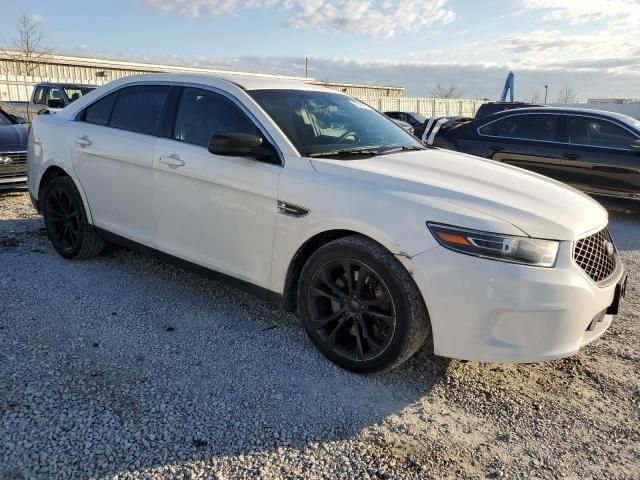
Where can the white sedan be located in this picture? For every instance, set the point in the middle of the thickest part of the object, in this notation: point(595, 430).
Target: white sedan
point(324, 206)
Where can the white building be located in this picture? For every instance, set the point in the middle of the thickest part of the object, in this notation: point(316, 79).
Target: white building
point(18, 76)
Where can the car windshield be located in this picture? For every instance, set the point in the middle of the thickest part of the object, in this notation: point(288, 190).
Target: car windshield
point(332, 124)
point(4, 119)
point(74, 93)
point(420, 118)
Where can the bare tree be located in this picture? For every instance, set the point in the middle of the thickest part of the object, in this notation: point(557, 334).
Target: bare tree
point(567, 95)
point(451, 89)
point(28, 49)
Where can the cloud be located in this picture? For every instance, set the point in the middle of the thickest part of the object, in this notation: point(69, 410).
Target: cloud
point(477, 79)
point(589, 78)
point(37, 18)
point(619, 14)
point(378, 18)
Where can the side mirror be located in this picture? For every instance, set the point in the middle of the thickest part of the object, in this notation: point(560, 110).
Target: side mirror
point(242, 145)
point(55, 103)
point(43, 111)
point(635, 146)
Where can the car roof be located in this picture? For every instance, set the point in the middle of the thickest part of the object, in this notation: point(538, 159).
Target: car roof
point(550, 109)
point(246, 82)
point(64, 84)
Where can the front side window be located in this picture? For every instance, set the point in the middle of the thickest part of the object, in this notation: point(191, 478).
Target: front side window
point(54, 94)
point(525, 127)
point(324, 123)
point(598, 133)
point(202, 114)
point(138, 108)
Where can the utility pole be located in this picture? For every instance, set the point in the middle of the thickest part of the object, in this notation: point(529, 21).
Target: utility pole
point(306, 67)
point(546, 91)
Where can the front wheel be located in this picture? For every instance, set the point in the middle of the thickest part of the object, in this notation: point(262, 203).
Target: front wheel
point(360, 307)
point(66, 220)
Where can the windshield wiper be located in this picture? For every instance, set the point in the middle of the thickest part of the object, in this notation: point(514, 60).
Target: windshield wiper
point(345, 153)
point(403, 148)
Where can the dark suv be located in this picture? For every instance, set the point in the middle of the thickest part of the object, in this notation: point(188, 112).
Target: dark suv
point(595, 151)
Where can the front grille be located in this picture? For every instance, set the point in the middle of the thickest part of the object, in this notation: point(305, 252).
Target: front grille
point(13, 165)
point(596, 255)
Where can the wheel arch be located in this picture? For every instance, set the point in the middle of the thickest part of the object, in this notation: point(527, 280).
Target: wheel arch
point(55, 171)
point(311, 245)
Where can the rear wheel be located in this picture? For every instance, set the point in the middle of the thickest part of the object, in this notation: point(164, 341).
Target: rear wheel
point(360, 307)
point(66, 220)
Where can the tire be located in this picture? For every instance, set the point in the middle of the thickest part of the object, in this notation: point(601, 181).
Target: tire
point(371, 324)
point(66, 220)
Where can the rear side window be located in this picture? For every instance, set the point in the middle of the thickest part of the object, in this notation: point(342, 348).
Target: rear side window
point(39, 96)
point(526, 127)
point(202, 114)
point(100, 112)
point(598, 133)
point(138, 108)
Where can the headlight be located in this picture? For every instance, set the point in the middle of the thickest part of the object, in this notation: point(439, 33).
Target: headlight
point(507, 248)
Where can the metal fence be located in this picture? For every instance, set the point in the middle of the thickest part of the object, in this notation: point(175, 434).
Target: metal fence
point(18, 88)
point(429, 107)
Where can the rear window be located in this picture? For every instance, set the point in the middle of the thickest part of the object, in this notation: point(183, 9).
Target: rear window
point(100, 112)
point(138, 108)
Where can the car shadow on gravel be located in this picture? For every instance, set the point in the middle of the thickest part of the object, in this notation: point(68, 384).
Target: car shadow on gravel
point(123, 364)
point(140, 364)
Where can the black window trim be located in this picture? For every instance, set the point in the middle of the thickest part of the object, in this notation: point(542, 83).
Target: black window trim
point(166, 121)
point(562, 115)
point(159, 122)
point(82, 115)
point(167, 132)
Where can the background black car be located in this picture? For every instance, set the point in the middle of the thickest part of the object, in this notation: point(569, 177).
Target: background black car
point(13, 151)
point(414, 119)
point(597, 152)
point(490, 108)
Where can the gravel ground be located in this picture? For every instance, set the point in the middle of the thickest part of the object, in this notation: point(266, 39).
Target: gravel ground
point(123, 367)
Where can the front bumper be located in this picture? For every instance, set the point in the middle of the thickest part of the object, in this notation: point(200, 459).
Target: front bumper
point(492, 311)
point(14, 182)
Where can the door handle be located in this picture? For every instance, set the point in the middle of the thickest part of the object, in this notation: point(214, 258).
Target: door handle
point(496, 148)
point(172, 160)
point(83, 141)
point(571, 156)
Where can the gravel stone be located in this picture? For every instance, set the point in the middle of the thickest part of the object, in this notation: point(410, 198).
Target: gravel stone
point(92, 385)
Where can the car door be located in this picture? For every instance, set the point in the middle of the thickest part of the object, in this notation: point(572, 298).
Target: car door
point(530, 141)
point(112, 153)
point(599, 156)
point(216, 211)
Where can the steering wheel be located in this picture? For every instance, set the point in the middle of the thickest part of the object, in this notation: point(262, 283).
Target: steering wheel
point(344, 136)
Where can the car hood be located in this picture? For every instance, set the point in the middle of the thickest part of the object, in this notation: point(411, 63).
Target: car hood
point(536, 205)
point(13, 137)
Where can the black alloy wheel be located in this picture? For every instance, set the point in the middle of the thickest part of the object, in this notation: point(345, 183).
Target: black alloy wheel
point(68, 229)
point(351, 309)
point(63, 219)
point(360, 306)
